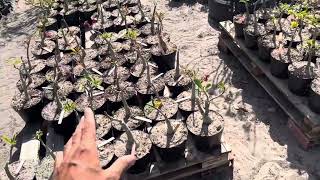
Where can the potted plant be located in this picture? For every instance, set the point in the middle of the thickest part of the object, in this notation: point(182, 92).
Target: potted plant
point(129, 115)
point(141, 60)
point(29, 100)
point(177, 79)
point(124, 20)
point(164, 52)
point(40, 46)
point(161, 108)
point(103, 126)
point(100, 19)
point(282, 57)
point(137, 140)
point(267, 43)
point(253, 30)
point(240, 20)
point(94, 97)
point(149, 85)
point(106, 152)
point(170, 138)
point(205, 125)
point(314, 97)
point(302, 73)
point(149, 29)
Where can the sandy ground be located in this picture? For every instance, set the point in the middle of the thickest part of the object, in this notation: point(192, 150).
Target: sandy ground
point(255, 127)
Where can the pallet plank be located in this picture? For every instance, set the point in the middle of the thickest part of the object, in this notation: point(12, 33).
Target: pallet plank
point(298, 101)
point(183, 168)
point(295, 106)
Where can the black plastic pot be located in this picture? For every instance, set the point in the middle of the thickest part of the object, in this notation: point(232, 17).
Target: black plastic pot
point(141, 165)
point(264, 50)
point(207, 143)
point(298, 86)
point(299, 83)
point(238, 26)
point(314, 96)
point(278, 68)
point(250, 40)
point(172, 154)
point(203, 141)
point(220, 10)
point(165, 62)
point(68, 125)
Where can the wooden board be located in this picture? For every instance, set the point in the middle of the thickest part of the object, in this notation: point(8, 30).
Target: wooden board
point(195, 162)
point(295, 106)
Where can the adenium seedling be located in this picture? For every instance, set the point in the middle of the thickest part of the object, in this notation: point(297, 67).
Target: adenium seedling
point(141, 10)
point(162, 44)
point(23, 74)
point(246, 3)
point(11, 142)
point(126, 107)
point(94, 82)
point(203, 87)
point(177, 69)
point(131, 139)
point(69, 106)
point(153, 19)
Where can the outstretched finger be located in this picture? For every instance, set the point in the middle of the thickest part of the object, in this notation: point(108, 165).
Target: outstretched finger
point(74, 141)
point(133, 150)
point(121, 165)
point(89, 128)
point(59, 159)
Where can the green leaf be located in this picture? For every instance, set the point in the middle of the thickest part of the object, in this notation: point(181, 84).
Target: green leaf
point(14, 61)
point(198, 83)
point(69, 106)
point(11, 141)
point(221, 85)
point(157, 103)
point(106, 36)
point(131, 34)
point(38, 135)
point(294, 24)
point(208, 86)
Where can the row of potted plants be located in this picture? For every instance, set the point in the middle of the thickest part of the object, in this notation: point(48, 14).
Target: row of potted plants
point(287, 36)
point(122, 78)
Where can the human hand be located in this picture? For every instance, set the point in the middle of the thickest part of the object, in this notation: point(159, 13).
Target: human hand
point(80, 160)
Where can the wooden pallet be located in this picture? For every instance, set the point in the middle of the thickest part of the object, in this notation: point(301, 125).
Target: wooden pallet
point(195, 163)
point(304, 123)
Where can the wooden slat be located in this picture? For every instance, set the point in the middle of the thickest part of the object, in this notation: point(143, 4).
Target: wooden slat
point(299, 103)
point(183, 168)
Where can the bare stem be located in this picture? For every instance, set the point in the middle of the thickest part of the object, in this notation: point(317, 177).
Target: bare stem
point(126, 107)
point(153, 20)
point(177, 72)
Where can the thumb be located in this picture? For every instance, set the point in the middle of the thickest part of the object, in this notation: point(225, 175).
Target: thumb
point(122, 164)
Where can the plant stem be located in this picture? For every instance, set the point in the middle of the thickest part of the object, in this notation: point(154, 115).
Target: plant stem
point(126, 107)
point(291, 42)
point(131, 139)
point(177, 72)
point(24, 86)
point(141, 10)
point(153, 20)
point(193, 96)
point(28, 54)
point(48, 149)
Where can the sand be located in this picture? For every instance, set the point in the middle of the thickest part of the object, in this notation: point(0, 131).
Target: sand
point(255, 127)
